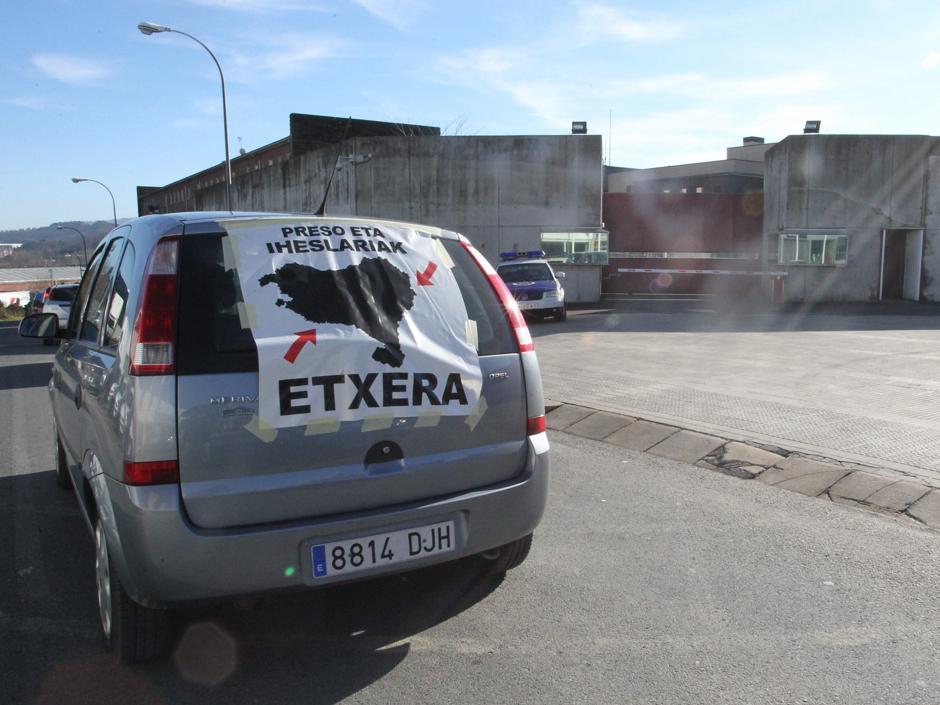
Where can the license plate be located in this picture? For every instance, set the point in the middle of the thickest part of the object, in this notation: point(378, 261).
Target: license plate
point(353, 555)
point(527, 305)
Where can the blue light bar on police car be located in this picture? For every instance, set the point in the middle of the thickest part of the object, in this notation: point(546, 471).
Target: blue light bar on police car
point(531, 254)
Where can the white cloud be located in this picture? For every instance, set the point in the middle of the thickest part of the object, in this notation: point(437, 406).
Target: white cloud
point(600, 21)
point(71, 69)
point(698, 85)
point(262, 5)
point(400, 14)
point(29, 102)
point(932, 60)
point(501, 70)
point(291, 55)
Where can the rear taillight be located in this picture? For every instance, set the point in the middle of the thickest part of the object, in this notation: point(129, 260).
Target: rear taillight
point(158, 472)
point(152, 349)
point(535, 425)
point(45, 295)
point(523, 337)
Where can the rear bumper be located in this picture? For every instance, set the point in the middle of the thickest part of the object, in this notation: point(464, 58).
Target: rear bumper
point(162, 559)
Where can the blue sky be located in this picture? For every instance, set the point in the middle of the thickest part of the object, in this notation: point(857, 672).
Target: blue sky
point(85, 94)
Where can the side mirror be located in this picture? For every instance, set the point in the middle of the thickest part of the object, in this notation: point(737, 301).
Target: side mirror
point(561, 275)
point(40, 325)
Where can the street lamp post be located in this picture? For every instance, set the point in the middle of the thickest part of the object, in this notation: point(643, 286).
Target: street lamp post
point(148, 28)
point(76, 180)
point(82, 236)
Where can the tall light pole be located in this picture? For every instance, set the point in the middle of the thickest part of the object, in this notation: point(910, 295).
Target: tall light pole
point(148, 28)
point(76, 180)
point(81, 235)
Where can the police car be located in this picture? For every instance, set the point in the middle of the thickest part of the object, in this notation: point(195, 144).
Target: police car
point(533, 283)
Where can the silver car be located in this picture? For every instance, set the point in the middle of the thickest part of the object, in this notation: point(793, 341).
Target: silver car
point(190, 497)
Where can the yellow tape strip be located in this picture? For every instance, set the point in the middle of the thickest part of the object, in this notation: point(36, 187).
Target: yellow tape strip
point(318, 427)
point(261, 428)
point(442, 254)
point(230, 253)
point(428, 420)
point(246, 315)
point(473, 337)
point(377, 423)
point(473, 419)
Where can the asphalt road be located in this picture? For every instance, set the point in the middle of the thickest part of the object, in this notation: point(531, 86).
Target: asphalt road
point(649, 582)
point(857, 383)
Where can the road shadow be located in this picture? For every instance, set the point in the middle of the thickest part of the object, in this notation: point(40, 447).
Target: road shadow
point(34, 374)
point(318, 646)
point(12, 344)
point(705, 315)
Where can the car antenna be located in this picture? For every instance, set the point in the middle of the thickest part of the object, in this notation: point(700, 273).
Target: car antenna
point(332, 173)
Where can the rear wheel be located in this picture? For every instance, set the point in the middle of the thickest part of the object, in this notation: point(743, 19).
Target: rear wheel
point(61, 466)
point(510, 556)
point(132, 632)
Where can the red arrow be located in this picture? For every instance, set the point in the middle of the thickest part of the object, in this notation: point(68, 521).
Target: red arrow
point(303, 337)
point(424, 278)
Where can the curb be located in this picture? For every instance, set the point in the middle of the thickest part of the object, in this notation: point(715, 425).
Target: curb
point(777, 467)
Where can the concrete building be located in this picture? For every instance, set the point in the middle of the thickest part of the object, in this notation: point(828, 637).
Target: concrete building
point(502, 192)
point(700, 217)
point(854, 217)
point(742, 171)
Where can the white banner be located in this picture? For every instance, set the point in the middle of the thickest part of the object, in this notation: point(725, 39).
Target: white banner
point(352, 320)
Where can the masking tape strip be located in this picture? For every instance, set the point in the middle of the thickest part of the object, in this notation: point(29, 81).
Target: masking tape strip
point(317, 427)
point(442, 254)
point(427, 420)
point(377, 423)
point(473, 419)
point(229, 253)
point(473, 337)
point(246, 315)
point(261, 429)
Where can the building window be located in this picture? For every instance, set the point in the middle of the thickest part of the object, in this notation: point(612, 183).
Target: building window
point(585, 247)
point(816, 249)
point(699, 189)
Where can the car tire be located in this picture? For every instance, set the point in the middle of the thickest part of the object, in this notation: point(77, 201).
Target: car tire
point(61, 466)
point(562, 315)
point(132, 633)
point(510, 556)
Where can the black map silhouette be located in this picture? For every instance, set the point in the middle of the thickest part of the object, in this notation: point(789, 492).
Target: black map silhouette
point(372, 295)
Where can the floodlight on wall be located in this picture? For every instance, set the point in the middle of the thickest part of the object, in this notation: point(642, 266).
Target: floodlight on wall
point(812, 127)
point(579, 128)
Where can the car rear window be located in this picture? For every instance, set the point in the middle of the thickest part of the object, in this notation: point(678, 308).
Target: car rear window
point(211, 337)
point(494, 333)
point(63, 293)
point(532, 272)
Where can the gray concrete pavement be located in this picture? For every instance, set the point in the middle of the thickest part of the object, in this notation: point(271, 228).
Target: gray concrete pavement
point(650, 581)
point(852, 386)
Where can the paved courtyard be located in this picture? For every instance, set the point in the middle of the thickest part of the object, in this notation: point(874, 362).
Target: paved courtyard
point(853, 384)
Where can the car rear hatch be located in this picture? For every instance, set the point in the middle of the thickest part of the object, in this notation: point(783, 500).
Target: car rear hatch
point(235, 471)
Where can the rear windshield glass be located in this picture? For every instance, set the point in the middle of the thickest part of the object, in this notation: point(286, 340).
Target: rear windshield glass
point(532, 272)
point(63, 293)
point(494, 333)
point(212, 340)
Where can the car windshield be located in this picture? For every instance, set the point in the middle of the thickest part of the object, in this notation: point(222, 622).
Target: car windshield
point(528, 272)
point(63, 294)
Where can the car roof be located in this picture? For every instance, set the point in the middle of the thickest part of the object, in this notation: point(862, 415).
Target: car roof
point(521, 261)
point(217, 217)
